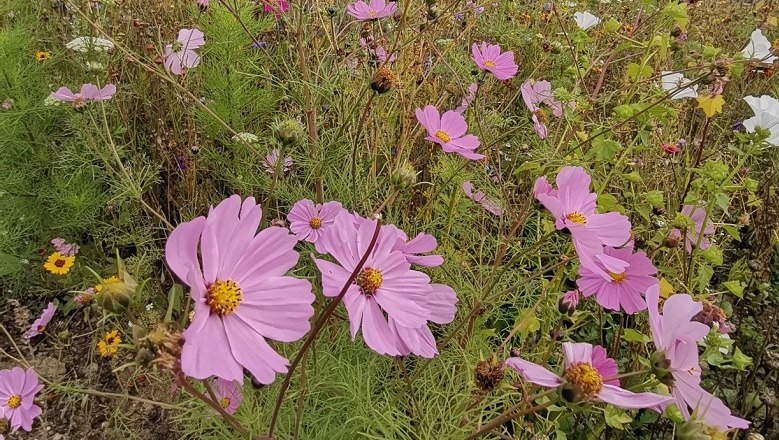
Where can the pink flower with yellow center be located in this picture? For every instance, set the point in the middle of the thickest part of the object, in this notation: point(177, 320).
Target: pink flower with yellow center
point(375, 10)
point(448, 131)
point(489, 58)
point(18, 388)
point(622, 289)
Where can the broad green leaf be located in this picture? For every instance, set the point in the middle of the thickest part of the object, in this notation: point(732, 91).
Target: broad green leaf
point(735, 287)
point(677, 12)
point(605, 149)
point(617, 418)
point(705, 273)
point(732, 231)
point(740, 360)
point(632, 335)
point(713, 255)
point(608, 203)
point(654, 198)
point(10, 264)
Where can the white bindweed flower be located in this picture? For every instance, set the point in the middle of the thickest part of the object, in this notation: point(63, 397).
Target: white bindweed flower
point(673, 81)
point(84, 44)
point(766, 109)
point(586, 20)
point(758, 48)
point(246, 137)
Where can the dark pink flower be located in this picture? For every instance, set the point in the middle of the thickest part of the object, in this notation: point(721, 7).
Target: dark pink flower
point(621, 290)
point(242, 293)
point(573, 207)
point(568, 302)
point(88, 92)
point(675, 335)
point(448, 131)
point(17, 397)
point(374, 10)
point(488, 57)
point(588, 376)
point(479, 197)
point(181, 54)
point(39, 325)
point(278, 7)
point(310, 222)
point(228, 394)
point(698, 216)
point(671, 148)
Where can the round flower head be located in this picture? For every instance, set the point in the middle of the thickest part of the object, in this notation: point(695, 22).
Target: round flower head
point(390, 302)
point(489, 58)
point(374, 10)
point(587, 377)
point(675, 335)
point(241, 292)
point(181, 54)
point(228, 394)
point(448, 131)
point(39, 325)
point(59, 264)
point(17, 397)
point(309, 222)
point(622, 289)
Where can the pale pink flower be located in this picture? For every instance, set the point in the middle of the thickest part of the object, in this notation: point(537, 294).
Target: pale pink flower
point(64, 248)
point(181, 54)
point(270, 162)
point(374, 10)
point(489, 58)
point(468, 99)
point(698, 216)
point(18, 388)
point(203, 3)
point(412, 249)
point(588, 376)
point(448, 131)
point(573, 207)
point(278, 7)
point(675, 335)
point(88, 92)
point(479, 197)
point(310, 222)
point(228, 394)
point(671, 148)
point(538, 93)
point(39, 325)
point(241, 290)
point(623, 289)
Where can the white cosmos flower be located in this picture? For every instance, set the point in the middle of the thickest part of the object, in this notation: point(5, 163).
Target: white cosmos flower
point(84, 44)
point(766, 110)
point(672, 81)
point(586, 20)
point(758, 48)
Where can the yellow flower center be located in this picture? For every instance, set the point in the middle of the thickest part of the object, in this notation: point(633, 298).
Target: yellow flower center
point(577, 217)
point(15, 401)
point(489, 63)
point(372, 13)
point(315, 223)
point(369, 280)
point(585, 378)
point(617, 277)
point(224, 402)
point(224, 297)
point(440, 134)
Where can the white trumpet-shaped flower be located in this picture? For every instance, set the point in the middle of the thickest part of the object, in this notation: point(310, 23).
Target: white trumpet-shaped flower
point(586, 20)
point(766, 109)
point(679, 85)
point(759, 48)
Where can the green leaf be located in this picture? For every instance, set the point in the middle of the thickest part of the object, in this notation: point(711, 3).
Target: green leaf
point(735, 287)
point(740, 360)
point(605, 149)
point(632, 335)
point(732, 231)
point(637, 72)
point(704, 275)
point(608, 203)
point(527, 322)
point(655, 198)
point(632, 177)
point(617, 418)
point(677, 12)
point(612, 25)
point(10, 264)
point(713, 255)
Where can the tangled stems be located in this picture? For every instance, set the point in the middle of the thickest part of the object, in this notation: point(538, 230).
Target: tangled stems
point(320, 322)
point(515, 412)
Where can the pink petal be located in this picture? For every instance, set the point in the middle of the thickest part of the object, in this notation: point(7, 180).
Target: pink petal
point(629, 400)
point(278, 308)
point(376, 331)
point(252, 351)
point(534, 373)
point(64, 94)
point(206, 350)
point(453, 124)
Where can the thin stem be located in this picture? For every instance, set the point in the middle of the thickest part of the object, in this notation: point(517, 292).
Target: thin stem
point(232, 421)
point(318, 327)
point(511, 413)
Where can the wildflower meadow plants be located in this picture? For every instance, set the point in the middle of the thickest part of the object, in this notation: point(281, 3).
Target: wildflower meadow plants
point(277, 220)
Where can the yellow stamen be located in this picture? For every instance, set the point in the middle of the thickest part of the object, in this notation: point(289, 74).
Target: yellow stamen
point(224, 297)
point(585, 378)
point(315, 223)
point(440, 134)
point(372, 13)
point(369, 280)
point(224, 402)
point(15, 401)
point(489, 63)
point(617, 277)
point(577, 217)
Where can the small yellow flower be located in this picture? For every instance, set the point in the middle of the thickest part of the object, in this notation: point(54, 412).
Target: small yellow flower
point(59, 264)
point(109, 345)
point(711, 105)
point(106, 282)
point(42, 55)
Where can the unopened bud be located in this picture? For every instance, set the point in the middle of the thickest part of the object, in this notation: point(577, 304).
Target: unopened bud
point(288, 132)
point(404, 177)
point(568, 302)
point(673, 238)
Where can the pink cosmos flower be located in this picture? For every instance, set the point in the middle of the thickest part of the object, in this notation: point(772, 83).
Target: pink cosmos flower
point(309, 222)
point(181, 54)
point(698, 216)
point(17, 397)
point(241, 292)
point(203, 3)
point(421, 244)
point(228, 394)
point(675, 335)
point(278, 7)
point(624, 289)
point(448, 131)
point(388, 301)
point(588, 376)
point(573, 206)
point(671, 148)
point(64, 248)
point(568, 302)
point(88, 92)
point(374, 10)
point(271, 160)
point(468, 99)
point(39, 325)
point(489, 58)
point(479, 197)
point(537, 93)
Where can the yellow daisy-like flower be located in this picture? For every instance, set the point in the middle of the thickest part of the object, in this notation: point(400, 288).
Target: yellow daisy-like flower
point(59, 264)
point(109, 345)
point(106, 282)
point(42, 55)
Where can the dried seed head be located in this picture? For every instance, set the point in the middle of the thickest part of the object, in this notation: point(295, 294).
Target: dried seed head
point(383, 80)
point(488, 375)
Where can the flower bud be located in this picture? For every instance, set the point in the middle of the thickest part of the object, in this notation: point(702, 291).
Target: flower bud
point(288, 132)
point(673, 238)
point(568, 302)
point(404, 177)
point(661, 368)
